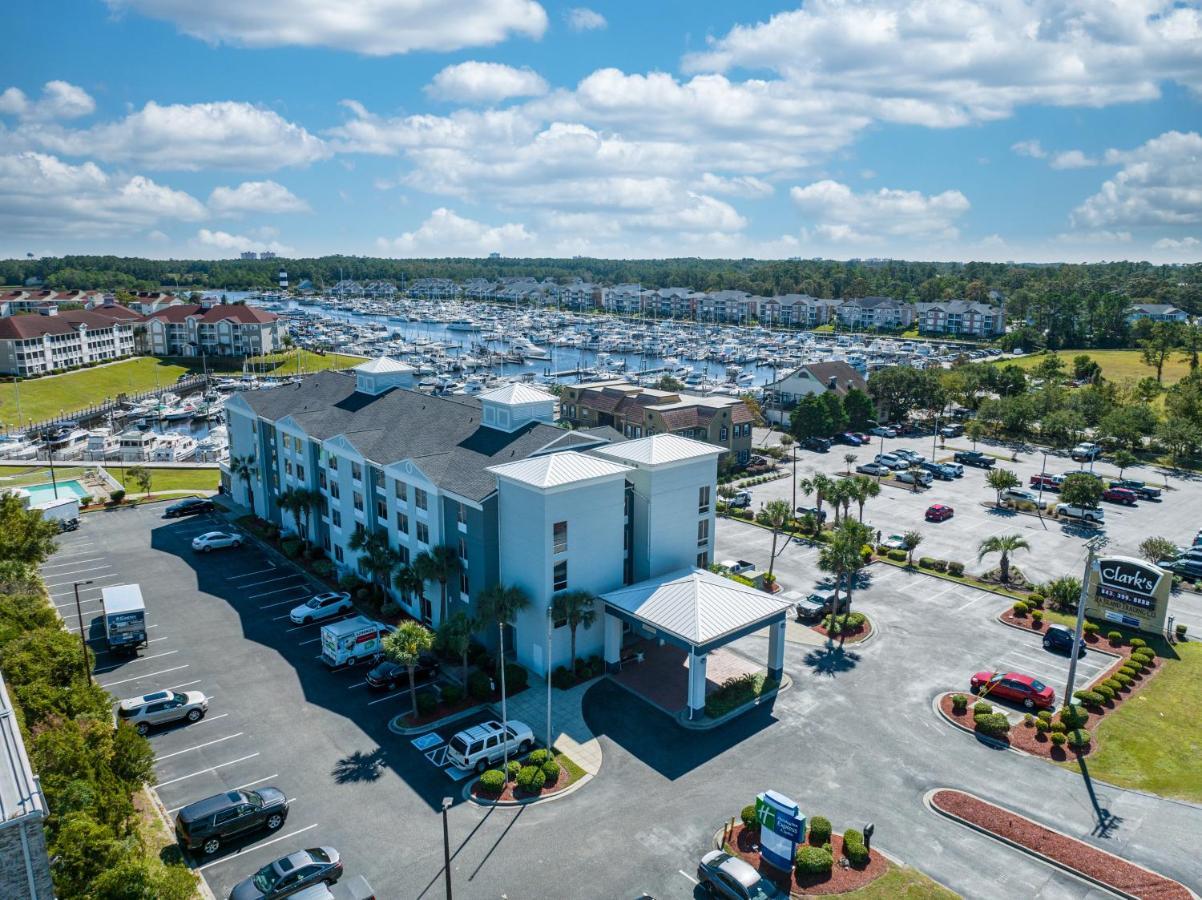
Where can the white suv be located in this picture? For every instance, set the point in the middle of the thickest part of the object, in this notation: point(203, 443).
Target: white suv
point(483, 745)
point(1085, 513)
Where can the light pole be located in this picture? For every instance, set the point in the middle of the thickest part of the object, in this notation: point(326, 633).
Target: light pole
point(83, 637)
point(1042, 474)
point(504, 709)
point(794, 446)
point(550, 623)
point(1091, 548)
point(446, 846)
point(879, 463)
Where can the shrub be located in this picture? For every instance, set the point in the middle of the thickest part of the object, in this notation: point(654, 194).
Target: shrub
point(1105, 692)
point(992, 724)
point(982, 708)
point(1058, 728)
point(939, 565)
point(389, 608)
point(959, 702)
point(1124, 679)
point(1181, 629)
point(748, 816)
point(551, 771)
point(854, 849)
point(562, 678)
point(955, 568)
point(515, 678)
point(1058, 738)
point(1073, 717)
point(1078, 738)
point(1045, 714)
point(514, 768)
point(492, 782)
point(1020, 608)
point(479, 686)
point(1036, 618)
point(812, 862)
point(1137, 643)
point(820, 830)
point(1091, 628)
point(426, 703)
point(1091, 698)
point(1028, 720)
point(1114, 684)
point(1115, 637)
point(531, 779)
point(1130, 668)
point(451, 694)
point(1145, 653)
point(115, 497)
point(323, 568)
point(291, 547)
point(1042, 726)
point(1036, 600)
point(538, 757)
point(897, 555)
point(925, 562)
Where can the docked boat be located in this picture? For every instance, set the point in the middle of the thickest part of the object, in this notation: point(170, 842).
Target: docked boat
point(214, 446)
point(135, 445)
point(101, 444)
point(173, 447)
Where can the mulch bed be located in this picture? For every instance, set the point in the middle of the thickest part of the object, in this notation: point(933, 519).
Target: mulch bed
point(851, 636)
point(840, 881)
point(440, 712)
point(1070, 852)
point(512, 792)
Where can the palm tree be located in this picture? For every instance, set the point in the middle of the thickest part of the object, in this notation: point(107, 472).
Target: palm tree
point(454, 636)
point(405, 647)
point(439, 564)
point(843, 557)
point(501, 603)
point(244, 467)
point(376, 558)
point(409, 583)
point(776, 514)
point(299, 502)
point(850, 459)
point(1001, 480)
point(822, 485)
point(910, 542)
point(865, 489)
point(1004, 544)
point(575, 608)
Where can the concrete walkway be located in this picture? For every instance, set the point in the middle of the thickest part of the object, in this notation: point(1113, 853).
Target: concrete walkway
point(571, 735)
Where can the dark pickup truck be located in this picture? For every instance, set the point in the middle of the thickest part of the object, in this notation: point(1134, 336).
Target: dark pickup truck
point(973, 458)
point(1144, 490)
point(811, 607)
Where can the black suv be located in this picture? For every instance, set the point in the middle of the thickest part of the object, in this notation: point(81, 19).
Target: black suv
point(206, 823)
point(1060, 637)
point(973, 458)
point(818, 444)
point(391, 675)
point(189, 506)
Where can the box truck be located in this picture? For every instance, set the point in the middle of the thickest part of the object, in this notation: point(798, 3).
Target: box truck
point(351, 641)
point(124, 617)
point(65, 511)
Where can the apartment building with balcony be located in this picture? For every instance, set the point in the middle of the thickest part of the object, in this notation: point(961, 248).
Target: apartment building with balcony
point(223, 330)
point(49, 340)
point(869, 313)
point(961, 317)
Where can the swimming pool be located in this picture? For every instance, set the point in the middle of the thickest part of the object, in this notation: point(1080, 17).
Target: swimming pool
point(44, 493)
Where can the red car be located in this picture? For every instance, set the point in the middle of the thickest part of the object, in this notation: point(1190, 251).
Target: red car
point(1049, 482)
point(1120, 495)
point(1016, 688)
point(937, 512)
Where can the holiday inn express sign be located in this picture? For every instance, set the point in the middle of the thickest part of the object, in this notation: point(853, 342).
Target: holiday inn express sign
point(1129, 592)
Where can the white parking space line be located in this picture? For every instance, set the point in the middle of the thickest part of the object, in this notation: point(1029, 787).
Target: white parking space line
point(313, 641)
point(287, 590)
point(688, 876)
point(71, 580)
point(404, 693)
point(275, 840)
point(272, 580)
point(322, 622)
point(248, 574)
point(147, 675)
point(136, 659)
point(82, 602)
point(176, 687)
point(240, 787)
point(232, 762)
point(71, 572)
point(359, 685)
point(74, 562)
point(207, 719)
point(228, 737)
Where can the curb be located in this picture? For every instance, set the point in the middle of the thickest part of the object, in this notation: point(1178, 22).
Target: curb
point(928, 802)
point(872, 632)
point(983, 738)
point(430, 726)
point(706, 724)
point(529, 801)
point(921, 571)
point(202, 886)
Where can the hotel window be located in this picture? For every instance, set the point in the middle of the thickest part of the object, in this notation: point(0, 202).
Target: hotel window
point(559, 537)
point(381, 509)
point(336, 519)
point(402, 491)
point(463, 583)
point(703, 532)
point(423, 533)
point(404, 555)
point(703, 499)
point(357, 500)
point(300, 471)
point(419, 498)
point(287, 467)
point(559, 579)
point(334, 489)
point(356, 471)
point(402, 523)
point(332, 462)
point(462, 550)
point(338, 553)
point(461, 514)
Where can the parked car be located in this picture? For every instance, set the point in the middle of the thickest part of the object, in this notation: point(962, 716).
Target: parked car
point(974, 458)
point(1021, 495)
point(888, 459)
point(938, 512)
point(1084, 513)
point(895, 542)
point(322, 606)
point(951, 431)
point(726, 876)
point(910, 455)
point(484, 745)
point(206, 824)
point(290, 874)
point(189, 506)
point(1085, 451)
point(957, 469)
point(741, 500)
point(1187, 568)
point(818, 514)
point(1193, 554)
point(161, 708)
point(1142, 489)
point(873, 468)
point(1047, 482)
point(1012, 686)
point(390, 675)
point(1120, 495)
point(850, 438)
point(883, 431)
point(864, 438)
point(939, 470)
point(911, 476)
point(813, 606)
point(1060, 637)
point(738, 566)
point(1085, 472)
point(216, 540)
point(817, 444)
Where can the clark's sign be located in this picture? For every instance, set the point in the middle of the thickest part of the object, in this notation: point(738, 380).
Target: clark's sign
point(1129, 592)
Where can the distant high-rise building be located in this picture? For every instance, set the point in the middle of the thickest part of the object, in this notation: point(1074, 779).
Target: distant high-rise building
point(494, 255)
point(250, 254)
point(267, 254)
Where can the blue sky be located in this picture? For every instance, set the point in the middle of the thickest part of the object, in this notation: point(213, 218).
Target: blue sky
point(1041, 130)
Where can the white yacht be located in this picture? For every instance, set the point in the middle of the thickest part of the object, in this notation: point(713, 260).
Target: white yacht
point(173, 447)
point(102, 444)
point(215, 446)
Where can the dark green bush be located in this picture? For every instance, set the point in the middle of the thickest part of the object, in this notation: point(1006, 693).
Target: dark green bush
point(1091, 628)
point(992, 724)
point(939, 565)
point(323, 568)
point(115, 497)
point(551, 771)
point(538, 757)
point(1020, 608)
point(982, 708)
point(926, 562)
point(1078, 738)
point(426, 703)
point(1073, 717)
point(513, 768)
point(1115, 637)
point(1105, 691)
point(515, 678)
point(959, 702)
point(1045, 714)
point(1137, 643)
point(1124, 679)
point(812, 862)
point(291, 547)
point(493, 782)
point(531, 779)
point(479, 686)
point(748, 816)
point(451, 694)
point(562, 678)
point(1042, 725)
point(1058, 738)
point(820, 830)
point(854, 849)
point(897, 555)
point(955, 568)
point(1058, 727)
point(1035, 601)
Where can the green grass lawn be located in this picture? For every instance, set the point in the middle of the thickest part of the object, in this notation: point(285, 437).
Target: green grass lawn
point(19, 476)
point(45, 398)
point(170, 479)
point(1117, 365)
point(899, 883)
point(1153, 741)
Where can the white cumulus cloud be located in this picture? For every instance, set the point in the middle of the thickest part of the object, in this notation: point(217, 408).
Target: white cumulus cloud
point(59, 100)
point(255, 197)
point(208, 240)
point(485, 82)
point(1159, 184)
point(373, 28)
point(1031, 148)
point(581, 18)
point(446, 233)
point(1072, 159)
point(839, 214)
point(1185, 243)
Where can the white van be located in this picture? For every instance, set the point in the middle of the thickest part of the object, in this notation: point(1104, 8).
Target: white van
point(484, 745)
point(352, 641)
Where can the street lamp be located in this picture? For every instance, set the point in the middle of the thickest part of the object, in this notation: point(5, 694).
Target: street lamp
point(1092, 547)
point(446, 846)
point(550, 623)
point(83, 637)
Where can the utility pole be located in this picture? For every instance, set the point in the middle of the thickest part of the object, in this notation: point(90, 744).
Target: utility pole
point(1092, 547)
point(83, 637)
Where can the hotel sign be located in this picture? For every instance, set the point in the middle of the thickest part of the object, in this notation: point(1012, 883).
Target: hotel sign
point(1129, 592)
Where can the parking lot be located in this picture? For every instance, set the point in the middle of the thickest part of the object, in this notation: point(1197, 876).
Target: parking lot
point(218, 623)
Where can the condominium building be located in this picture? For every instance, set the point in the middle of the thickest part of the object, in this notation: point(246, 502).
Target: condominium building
point(24, 865)
point(519, 500)
point(50, 340)
point(961, 317)
point(864, 313)
point(226, 330)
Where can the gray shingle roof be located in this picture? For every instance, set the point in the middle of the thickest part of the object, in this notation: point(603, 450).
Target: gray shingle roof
point(443, 436)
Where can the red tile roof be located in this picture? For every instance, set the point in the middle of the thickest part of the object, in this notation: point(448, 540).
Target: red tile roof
point(31, 326)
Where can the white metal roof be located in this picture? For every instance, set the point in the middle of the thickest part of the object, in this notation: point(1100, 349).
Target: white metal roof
point(119, 598)
point(696, 605)
point(556, 469)
point(383, 365)
point(516, 392)
point(658, 449)
point(19, 791)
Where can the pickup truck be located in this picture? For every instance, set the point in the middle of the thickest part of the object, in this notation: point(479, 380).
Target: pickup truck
point(974, 458)
point(811, 607)
point(951, 431)
point(1084, 513)
point(1047, 482)
point(1085, 452)
point(737, 566)
point(1144, 490)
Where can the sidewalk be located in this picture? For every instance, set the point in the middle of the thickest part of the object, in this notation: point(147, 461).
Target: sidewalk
point(572, 736)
